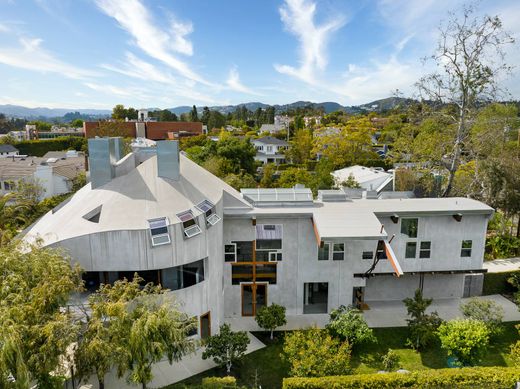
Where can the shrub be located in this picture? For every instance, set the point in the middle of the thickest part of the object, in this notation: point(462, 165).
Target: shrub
point(348, 323)
point(37, 148)
point(219, 382)
point(466, 340)
point(226, 347)
point(498, 283)
point(314, 353)
point(515, 353)
point(486, 311)
point(390, 360)
point(475, 377)
point(422, 326)
point(271, 317)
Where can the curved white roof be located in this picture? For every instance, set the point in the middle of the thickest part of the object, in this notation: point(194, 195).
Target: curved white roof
point(128, 201)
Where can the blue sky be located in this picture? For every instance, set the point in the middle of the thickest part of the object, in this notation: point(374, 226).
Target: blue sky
point(165, 53)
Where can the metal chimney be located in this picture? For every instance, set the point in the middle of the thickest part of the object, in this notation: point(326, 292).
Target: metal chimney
point(168, 159)
point(103, 154)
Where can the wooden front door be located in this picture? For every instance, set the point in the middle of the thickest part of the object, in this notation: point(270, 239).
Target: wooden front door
point(254, 296)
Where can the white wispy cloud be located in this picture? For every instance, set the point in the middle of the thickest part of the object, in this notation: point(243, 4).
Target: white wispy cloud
point(4, 28)
point(298, 17)
point(234, 83)
point(31, 55)
point(129, 91)
point(163, 45)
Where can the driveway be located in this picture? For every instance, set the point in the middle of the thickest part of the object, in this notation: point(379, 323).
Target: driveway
point(502, 265)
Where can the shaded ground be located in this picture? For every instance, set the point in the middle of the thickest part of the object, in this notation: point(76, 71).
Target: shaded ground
point(269, 368)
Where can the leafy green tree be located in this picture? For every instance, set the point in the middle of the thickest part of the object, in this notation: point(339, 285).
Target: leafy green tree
point(205, 115)
point(227, 347)
point(301, 150)
point(486, 311)
point(76, 123)
point(350, 182)
point(35, 330)
point(194, 116)
point(268, 171)
point(216, 120)
point(466, 340)
point(240, 152)
point(271, 317)
point(315, 353)
point(470, 60)
point(390, 360)
point(239, 181)
point(119, 112)
point(422, 326)
point(348, 323)
point(42, 126)
point(292, 176)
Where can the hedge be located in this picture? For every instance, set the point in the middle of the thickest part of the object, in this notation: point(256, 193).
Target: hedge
point(469, 377)
point(38, 148)
point(496, 283)
point(219, 382)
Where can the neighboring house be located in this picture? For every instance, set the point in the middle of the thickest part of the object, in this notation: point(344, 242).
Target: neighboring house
point(272, 128)
point(18, 135)
point(369, 178)
point(53, 174)
point(270, 150)
point(282, 120)
point(8, 151)
point(314, 120)
point(225, 254)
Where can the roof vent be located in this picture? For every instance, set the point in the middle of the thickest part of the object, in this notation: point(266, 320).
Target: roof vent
point(168, 159)
point(94, 215)
point(332, 196)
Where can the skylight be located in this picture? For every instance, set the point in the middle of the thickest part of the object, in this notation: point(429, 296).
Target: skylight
point(208, 208)
point(190, 226)
point(94, 215)
point(159, 231)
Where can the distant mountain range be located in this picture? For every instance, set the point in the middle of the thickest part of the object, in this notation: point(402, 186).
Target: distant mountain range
point(329, 106)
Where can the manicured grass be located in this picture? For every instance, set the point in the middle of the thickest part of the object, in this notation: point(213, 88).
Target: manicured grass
point(270, 369)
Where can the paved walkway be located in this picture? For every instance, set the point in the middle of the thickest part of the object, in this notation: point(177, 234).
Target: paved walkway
point(165, 374)
point(502, 265)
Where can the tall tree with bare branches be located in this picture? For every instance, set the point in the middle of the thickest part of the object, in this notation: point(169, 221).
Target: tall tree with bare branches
point(470, 59)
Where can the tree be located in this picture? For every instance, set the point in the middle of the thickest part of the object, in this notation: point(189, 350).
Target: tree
point(240, 152)
point(315, 353)
point(348, 323)
point(226, 347)
point(350, 182)
point(111, 129)
point(132, 326)
point(42, 126)
point(268, 171)
point(205, 115)
point(292, 176)
point(119, 112)
point(466, 340)
point(390, 360)
point(35, 329)
point(239, 181)
point(216, 120)
point(422, 326)
point(301, 150)
point(271, 317)
point(470, 59)
point(486, 311)
point(194, 117)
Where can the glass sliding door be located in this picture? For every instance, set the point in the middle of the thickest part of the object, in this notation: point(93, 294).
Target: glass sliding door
point(254, 296)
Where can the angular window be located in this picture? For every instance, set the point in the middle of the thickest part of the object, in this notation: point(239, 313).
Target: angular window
point(159, 231)
point(368, 255)
point(94, 215)
point(338, 251)
point(183, 276)
point(465, 251)
point(324, 252)
point(269, 236)
point(411, 249)
point(208, 208)
point(230, 252)
point(409, 227)
point(381, 252)
point(425, 250)
point(190, 226)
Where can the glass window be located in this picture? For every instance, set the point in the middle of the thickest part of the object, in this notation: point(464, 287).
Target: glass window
point(425, 250)
point(381, 252)
point(208, 208)
point(315, 297)
point(323, 252)
point(368, 255)
point(189, 224)
point(183, 276)
point(159, 231)
point(411, 249)
point(266, 273)
point(269, 236)
point(466, 248)
point(241, 273)
point(244, 251)
point(338, 251)
point(409, 227)
point(230, 252)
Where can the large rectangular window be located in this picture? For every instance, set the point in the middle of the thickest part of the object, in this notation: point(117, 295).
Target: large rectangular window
point(315, 297)
point(324, 252)
point(159, 231)
point(409, 227)
point(411, 249)
point(425, 250)
point(244, 251)
point(338, 251)
point(269, 236)
point(190, 226)
point(183, 276)
point(466, 247)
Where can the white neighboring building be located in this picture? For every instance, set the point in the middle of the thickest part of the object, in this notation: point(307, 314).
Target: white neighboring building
point(8, 151)
point(270, 150)
point(369, 178)
point(272, 128)
point(282, 120)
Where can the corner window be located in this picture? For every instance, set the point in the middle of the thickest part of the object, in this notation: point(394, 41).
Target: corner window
point(425, 250)
point(159, 231)
point(411, 249)
point(409, 227)
point(190, 226)
point(465, 251)
point(208, 208)
point(338, 251)
point(323, 252)
point(230, 252)
point(368, 255)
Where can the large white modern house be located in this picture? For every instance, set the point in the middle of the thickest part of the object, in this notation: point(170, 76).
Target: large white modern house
point(225, 253)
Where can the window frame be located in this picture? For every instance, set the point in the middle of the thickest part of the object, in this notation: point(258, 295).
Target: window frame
point(269, 248)
point(407, 220)
point(409, 243)
point(342, 252)
point(157, 236)
point(466, 252)
point(328, 251)
point(187, 229)
point(425, 250)
point(234, 252)
point(208, 210)
point(366, 258)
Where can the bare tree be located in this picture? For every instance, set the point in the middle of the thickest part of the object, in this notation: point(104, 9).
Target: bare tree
point(470, 59)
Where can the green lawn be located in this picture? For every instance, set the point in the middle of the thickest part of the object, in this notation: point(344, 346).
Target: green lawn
point(269, 368)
